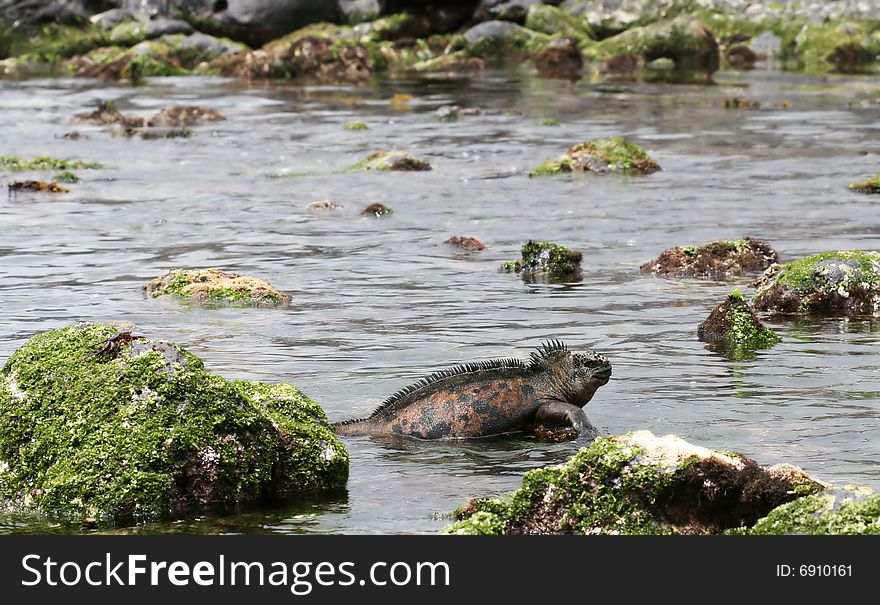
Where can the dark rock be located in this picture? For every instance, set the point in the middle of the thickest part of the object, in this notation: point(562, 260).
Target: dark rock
point(559, 59)
point(466, 243)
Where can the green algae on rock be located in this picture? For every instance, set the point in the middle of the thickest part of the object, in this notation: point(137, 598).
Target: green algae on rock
point(44, 162)
point(842, 47)
point(684, 39)
point(356, 125)
point(393, 160)
point(841, 283)
point(830, 512)
point(714, 260)
point(734, 327)
point(612, 155)
point(145, 431)
point(216, 286)
point(639, 484)
point(545, 258)
point(870, 185)
point(66, 177)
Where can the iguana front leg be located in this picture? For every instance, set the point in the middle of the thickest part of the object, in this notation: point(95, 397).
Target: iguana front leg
point(560, 421)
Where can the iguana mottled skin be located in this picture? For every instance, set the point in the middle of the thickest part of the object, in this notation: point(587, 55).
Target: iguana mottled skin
point(495, 397)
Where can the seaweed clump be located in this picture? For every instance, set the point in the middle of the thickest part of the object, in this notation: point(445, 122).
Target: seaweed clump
point(734, 328)
point(612, 155)
point(546, 259)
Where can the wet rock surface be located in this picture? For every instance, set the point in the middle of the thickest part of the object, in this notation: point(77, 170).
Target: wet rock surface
point(715, 260)
point(216, 286)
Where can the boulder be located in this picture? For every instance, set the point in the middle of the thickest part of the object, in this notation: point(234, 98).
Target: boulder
point(546, 260)
point(214, 286)
point(109, 426)
point(393, 160)
point(869, 185)
point(639, 483)
point(735, 330)
point(612, 155)
point(841, 283)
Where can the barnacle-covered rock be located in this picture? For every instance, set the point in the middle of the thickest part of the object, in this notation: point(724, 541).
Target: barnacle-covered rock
point(714, 260)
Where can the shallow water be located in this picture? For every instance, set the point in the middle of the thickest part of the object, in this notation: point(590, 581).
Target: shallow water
point(380, 302)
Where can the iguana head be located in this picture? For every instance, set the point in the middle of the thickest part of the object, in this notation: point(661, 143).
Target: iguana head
point(573, 377)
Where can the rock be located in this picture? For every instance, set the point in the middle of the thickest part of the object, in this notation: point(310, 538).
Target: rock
point(715, 260)
point(179, 116)
point(66, 177)
point(603, 156)
point(321, 53)
point(841, 283)
point(466, 243)
point(143, 431)
point(256, 22)
point(356, 125)
point(734, 328)
point(173, 55)
point(497, 39)
point(740, 56)
point(356, 11)
point(156, 28)
point(546, 259)
point(216, 286)
point(639, 484)
point(447, 113)
point(107, 114)
point(552, 21)
point(684, 40)
point(847, 47)
point(377, 210)
point(325, 205)
point(392, 160)
point(869, 185)
point(740, 103)
point(36, 187)
point(558, 59)
point(111, 18)
point(45, 11)
point(831, 512)
point(766, 45)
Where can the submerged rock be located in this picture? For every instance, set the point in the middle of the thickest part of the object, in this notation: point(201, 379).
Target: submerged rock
point(684, 39)
point(639, 484)
point(179, 116)
point(733, 326)
point(714, 260)
point(870, 185)
point(356, 125)
point(102, 425)
point(465, 243)
point(546, 259)
point(216, 286)
point(36, 186)
point(842, 283)
point(615, 154)
point(392, 160)
point(325, 205)
point(377, 210)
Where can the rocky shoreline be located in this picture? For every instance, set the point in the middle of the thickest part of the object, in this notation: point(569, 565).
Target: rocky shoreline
point(354, 41)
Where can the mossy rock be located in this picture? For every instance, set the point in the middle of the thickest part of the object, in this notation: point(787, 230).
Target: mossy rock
point(218, 287)
point(393, 160)
point(869, 185)
point(684, 39)
point(55, 42)
point(552, 21)
point(546, 259)
point(735, 329)
point(612, 155)
point(143, 431)
point(831, 512)
point(841, 283)
point(714, 260)
point(639, 484)
point(842, 47)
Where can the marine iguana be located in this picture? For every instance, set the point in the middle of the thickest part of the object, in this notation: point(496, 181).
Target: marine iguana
point(543, 396)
